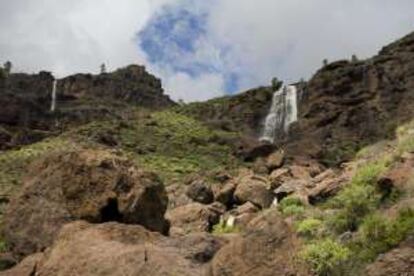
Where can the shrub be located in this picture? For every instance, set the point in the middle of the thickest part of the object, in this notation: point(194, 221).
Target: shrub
point(379, 234)
point(223, 228)
point(353, 204)
point(291, 206)
point(309, 227)
point(326, 256)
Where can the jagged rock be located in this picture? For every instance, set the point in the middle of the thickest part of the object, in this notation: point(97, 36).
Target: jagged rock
point(397, 262)
point(296, 186)
point(254, 189)
point(398, 176)
point(194, 217)
point(243, 214)
point(277, 177)
point(200, 192)
point(326, 188)
point(93, 185)
point(275, 160)
point(226, 194)
point(119, 249)
point(249, 148)
point(267, 248)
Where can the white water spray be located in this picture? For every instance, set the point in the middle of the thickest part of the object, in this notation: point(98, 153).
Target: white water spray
point(283, 112)
point(53, 105)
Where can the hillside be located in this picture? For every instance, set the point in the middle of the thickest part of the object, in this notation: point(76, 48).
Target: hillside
point(120, 180)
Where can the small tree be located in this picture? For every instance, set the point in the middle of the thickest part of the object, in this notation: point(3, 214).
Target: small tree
point(325, 62)
point(103, 68)
point(7, 67)
point(276, 84)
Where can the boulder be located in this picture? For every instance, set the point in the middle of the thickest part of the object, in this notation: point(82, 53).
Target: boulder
point(226, 194)
point(275, 160)
point(397, 262)
point(119, 249)
point(200, 192)
point(254, 189)
point(267, 248)
point(194, 217)
point(277, 177)
point(92, 185)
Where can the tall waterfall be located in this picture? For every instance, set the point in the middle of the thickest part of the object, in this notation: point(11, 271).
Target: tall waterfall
point(53, 104)
point(283, 112)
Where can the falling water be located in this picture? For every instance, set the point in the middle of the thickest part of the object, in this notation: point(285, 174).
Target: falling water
point(53, 105)
point(283, 112)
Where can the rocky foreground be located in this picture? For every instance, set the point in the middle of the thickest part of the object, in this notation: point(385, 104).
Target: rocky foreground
point(120, 180)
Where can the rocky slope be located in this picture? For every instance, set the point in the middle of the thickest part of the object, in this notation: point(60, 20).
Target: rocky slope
point(127, 183)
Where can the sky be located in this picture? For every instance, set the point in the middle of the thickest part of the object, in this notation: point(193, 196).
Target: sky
point(199, 48)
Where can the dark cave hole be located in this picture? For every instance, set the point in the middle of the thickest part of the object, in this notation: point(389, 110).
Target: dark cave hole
point(110, 212)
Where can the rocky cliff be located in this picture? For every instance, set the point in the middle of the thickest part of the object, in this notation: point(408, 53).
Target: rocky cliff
point(25, 116)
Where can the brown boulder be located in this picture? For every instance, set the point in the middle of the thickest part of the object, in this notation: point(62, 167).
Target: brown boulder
point(92, 185)
point(397, 262)
point(118, 249)
point(194, 217)
point(266, 249)
point(199, 191)
point(275, 160)
point(226, 194)
point(254, 189)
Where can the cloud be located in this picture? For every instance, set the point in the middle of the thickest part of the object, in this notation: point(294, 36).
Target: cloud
point(200, 49)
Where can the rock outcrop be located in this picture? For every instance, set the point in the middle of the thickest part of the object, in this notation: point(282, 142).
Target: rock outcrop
point(348, 104)
point(267, 248)
point(82, 98)
point(91, 185)
point(118, 249)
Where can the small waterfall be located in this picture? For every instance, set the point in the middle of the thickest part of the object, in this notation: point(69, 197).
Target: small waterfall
point(283, 112)
point(53, 104)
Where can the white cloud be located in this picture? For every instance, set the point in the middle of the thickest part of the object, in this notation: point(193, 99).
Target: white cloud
point(254, 39)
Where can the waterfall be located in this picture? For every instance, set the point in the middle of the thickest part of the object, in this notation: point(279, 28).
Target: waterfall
point(53, 105)
point(283, 112)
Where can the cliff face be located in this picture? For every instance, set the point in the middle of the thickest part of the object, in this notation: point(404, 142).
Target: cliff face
point(351, 104)
point(244, 112)
point(25, 115)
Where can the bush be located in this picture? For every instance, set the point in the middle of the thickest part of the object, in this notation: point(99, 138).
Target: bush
point(379, 234)
point(353, 204)
point(223, 228)
point(309, 227)
point(326, 256)
point(291, 205)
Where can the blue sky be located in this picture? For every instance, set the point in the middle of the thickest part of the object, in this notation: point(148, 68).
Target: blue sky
point(199, 48)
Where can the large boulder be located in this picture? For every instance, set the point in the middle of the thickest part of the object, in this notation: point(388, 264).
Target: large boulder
point(118, 249)
point(92, 185)
point(255, 189)
point(199, 191)
point(397, 262)
point(194, 217)
point(266, 249)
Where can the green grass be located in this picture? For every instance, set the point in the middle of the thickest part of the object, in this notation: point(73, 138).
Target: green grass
point(309, 227)
point(291, 206)
point(13, 163)
point(222, 228)
point(171, 144)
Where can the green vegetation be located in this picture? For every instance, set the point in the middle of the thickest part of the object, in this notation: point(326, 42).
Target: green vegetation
point(171, 144)
point(309, 227)
point(291, 206)
point(13, 163)
point(358, 199)
point(326, 256)
point(223, 228)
